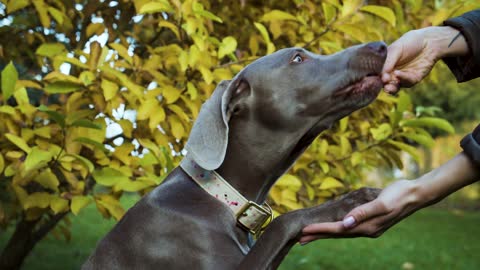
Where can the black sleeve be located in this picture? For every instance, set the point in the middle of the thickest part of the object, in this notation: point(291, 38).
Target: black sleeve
point(466, 67)
point(471, 146)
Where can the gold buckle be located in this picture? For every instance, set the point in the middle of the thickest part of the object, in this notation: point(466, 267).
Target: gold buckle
point(267, 213)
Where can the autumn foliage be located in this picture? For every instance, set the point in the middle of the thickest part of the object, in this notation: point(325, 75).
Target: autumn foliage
point(98, 97)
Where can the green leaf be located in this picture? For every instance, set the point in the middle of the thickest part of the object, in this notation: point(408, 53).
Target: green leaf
point(86, 123)
point(382, 12)
point(423, 139)
point(19, 142)
point(37, 158)
point(108, 176)
point(61, 87)
point(407, 148)
point(277, 15)
point(9, 79)
point(404, 102)
point(228, 45)
point(429, 122)
point(51, 49)
point(55, 116)
point(78, 203)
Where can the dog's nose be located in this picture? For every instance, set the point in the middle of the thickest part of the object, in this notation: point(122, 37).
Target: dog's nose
point(379, 48)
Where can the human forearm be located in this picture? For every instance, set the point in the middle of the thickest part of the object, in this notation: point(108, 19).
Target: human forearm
point(446, 179)
point(445, 41)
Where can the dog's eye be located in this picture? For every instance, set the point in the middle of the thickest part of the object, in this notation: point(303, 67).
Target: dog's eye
point(297, 59)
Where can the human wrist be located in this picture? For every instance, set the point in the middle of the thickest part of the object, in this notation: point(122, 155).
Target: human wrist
point(422, 195)
point(445, 41)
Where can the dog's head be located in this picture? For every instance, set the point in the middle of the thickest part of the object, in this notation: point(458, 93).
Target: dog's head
point(291, 90)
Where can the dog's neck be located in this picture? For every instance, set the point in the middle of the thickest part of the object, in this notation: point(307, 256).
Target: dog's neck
point(256, 159)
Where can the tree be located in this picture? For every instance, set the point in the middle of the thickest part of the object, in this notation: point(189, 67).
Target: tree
point(98, 98)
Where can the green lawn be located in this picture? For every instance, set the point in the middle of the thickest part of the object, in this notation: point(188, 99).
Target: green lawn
point(431, 239)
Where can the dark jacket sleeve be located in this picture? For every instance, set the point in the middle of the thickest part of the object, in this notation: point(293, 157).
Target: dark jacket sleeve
point(466, 67)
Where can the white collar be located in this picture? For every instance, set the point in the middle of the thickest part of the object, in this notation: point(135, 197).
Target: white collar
point(250, 216)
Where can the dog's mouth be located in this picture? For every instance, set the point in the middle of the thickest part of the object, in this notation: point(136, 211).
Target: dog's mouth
point(368, 85)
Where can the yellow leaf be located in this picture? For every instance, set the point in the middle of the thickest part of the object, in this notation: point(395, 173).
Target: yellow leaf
point(146, 109)
point(179, 112)
point(132, 186)
point(385, 13)
point(56, 14)
point(345, 146)
point(183, 60)
point(349, 7)
point(122, 51)
point(178, 131)
point(48, 180)
point(14, 5)
point(277, 15)
point(19, 142)
point(41, 8)
point(154, 7)
point(354, 31)
point(37, 199)
point(37, 158)
point(21, 97)
point(44, 132)
point(329, 12)
point(112, 205)
point(206, 74)
point(263, 32)
point(170, 26)
point(228, 46)
point(108, 176)
point(127, 127)
point(109, 88)
point(95, 28)
point(170, 93)
point(330, 183)
point(9, 79)
point(87, 163)
point(157, 117)
point(2, 163)
point(289, 195)
point(58, 205)
point(289, 181)
point(193, 56)
point(78, 203)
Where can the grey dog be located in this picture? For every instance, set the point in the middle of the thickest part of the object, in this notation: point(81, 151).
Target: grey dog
point(250, 131)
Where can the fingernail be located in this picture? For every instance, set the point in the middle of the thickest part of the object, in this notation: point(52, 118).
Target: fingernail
point(303, 243)
point(348, 222)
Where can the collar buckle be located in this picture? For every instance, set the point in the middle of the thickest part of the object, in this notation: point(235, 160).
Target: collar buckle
point(254, 217)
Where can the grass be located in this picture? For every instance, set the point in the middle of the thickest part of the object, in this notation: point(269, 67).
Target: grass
point(432, 239)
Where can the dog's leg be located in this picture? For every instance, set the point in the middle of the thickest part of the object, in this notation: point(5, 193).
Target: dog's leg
point(280, 236)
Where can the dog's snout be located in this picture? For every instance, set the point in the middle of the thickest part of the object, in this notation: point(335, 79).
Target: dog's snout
point(379, 48)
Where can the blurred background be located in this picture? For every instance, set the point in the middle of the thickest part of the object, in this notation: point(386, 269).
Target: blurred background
point(98, 98)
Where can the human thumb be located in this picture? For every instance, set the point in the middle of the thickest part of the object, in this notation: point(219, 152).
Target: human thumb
point(363, 213)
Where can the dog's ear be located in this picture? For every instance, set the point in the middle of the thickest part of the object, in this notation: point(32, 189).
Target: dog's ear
point(208, 139)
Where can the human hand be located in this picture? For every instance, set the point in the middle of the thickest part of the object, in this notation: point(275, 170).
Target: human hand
point(412, 56)
point(394, 203)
